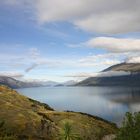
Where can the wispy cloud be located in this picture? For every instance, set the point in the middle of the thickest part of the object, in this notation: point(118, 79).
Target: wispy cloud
point(34, 53)
point(33, 66)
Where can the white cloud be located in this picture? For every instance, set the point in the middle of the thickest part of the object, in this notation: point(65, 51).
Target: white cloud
point(115, 44)
point(133, 59)
point(111, 22)
point(12, 74)
point(100, 74)
point(104, 16)
point(81, 75)
point(103, 60)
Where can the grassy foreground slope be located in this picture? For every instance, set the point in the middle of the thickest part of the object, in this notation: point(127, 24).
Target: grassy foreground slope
point(22, 118)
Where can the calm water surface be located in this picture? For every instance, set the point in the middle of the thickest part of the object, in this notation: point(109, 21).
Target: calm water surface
point(110, 103)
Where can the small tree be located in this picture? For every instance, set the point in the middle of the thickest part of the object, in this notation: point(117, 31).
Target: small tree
point(130, 129)
point(67, 133)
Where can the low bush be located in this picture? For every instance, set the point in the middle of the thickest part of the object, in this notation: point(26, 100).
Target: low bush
point(130, 129)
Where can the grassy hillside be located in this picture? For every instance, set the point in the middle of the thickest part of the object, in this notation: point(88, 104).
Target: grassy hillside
point(22, 118)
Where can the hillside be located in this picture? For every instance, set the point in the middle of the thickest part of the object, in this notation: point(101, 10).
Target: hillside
point(13, 83)
point(127, 80)
point(22, 118)
point(129, 67)
point(124, 80)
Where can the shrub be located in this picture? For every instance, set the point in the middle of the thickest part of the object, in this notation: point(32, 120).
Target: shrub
point(67, 133)
point(130, 129)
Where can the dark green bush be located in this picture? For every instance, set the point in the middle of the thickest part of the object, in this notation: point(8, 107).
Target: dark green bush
point(130, 129)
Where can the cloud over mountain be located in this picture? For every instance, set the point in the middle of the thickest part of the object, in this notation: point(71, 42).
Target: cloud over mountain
point(12, 74)
point(99, 74)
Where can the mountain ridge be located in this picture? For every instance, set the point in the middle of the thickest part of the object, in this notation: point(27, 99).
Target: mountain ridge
point(13, 83)
point(132, 79)
point(128, 67)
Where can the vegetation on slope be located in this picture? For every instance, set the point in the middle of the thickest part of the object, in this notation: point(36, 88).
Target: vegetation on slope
point(130, 129)
point(68, 134)
point(27, 119)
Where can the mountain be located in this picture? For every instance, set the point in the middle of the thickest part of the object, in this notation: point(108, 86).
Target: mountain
point(13, 83)
point(22, 118)
point(132, 79)
point(42, 82)
point(69, 83)
point(129, 67)
point(49, 83)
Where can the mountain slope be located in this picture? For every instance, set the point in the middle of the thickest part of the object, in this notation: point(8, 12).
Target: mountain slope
point(128, 80)
point(129, 67)
point(13, 83)
point(132, 79)
point(69, 83)
point(27, 119)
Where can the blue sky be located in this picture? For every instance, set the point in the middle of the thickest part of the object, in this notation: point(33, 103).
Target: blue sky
point(53, 40)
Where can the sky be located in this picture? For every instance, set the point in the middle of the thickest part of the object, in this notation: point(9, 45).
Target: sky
point(62, 40)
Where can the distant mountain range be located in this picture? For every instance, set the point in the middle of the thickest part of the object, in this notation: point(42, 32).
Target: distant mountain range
point(69, 83)
point(131, 79)
point(13, 83)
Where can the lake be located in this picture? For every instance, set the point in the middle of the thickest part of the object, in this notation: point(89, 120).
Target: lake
point(110, 103)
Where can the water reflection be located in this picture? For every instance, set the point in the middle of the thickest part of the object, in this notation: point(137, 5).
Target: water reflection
point(110, 103)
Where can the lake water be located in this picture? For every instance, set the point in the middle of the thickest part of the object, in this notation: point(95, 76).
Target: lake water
point(110, 103)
